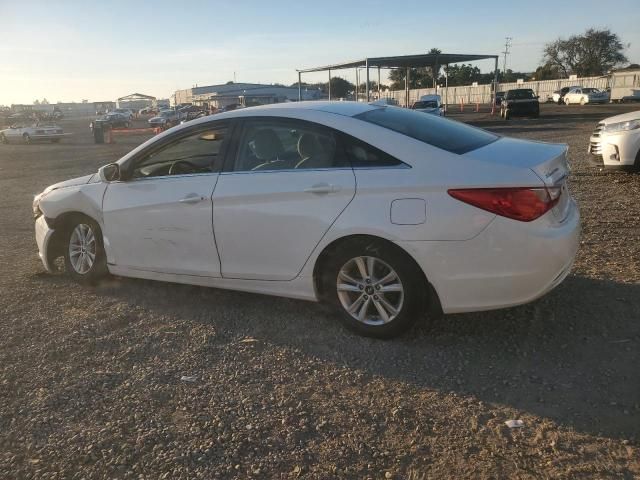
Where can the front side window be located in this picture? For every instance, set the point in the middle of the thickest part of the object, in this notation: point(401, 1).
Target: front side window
point(287, 145)
point(196, 153)
point(449, 135)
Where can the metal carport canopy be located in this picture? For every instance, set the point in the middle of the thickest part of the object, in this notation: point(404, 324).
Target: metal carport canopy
point(403, 61)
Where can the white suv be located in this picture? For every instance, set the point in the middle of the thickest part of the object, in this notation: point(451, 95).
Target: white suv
point(615, 143)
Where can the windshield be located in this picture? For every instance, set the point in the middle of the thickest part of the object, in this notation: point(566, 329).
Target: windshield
point(590, 90)
point(520, 94)
point(449, 135)
point(426, 104)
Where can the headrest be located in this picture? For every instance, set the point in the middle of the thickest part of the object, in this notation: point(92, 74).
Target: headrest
point(266, 144)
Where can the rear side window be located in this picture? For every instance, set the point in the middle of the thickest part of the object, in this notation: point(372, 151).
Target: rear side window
point(363, 155)
point(449, 135)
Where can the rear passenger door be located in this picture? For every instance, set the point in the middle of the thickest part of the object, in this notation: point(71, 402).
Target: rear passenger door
point(284, 185)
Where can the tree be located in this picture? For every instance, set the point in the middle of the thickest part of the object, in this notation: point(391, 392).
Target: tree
point(423, 77)
point(44, 102)
point(340, 87)
point(36, 102)
point(593, 53)
point(547, 72)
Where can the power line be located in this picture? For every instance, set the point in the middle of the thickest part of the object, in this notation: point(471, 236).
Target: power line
point(507, 46)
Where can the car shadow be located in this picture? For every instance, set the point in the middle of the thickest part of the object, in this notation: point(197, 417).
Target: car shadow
point(571, 356)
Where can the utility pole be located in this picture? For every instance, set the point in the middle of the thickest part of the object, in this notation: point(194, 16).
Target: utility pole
point(507, 46)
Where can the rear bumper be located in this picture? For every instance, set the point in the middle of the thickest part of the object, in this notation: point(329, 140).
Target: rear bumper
point(43, 239)
point(508, 264)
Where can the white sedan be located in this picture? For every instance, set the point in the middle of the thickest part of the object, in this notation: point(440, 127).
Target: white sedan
point(20, 133)
point(615, 143)
point(584, 95)
point(381, 211)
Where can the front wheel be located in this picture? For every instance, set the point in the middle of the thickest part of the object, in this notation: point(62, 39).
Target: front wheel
point(566, 102)
point(84, 256)
point(378, 290)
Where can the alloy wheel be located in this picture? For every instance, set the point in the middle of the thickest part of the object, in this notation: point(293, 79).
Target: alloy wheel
point(82, 248)
point(370, 290)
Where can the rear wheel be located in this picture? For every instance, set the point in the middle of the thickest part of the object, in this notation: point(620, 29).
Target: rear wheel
point(84, 255)
point(566, 101)
point(507, 114)
point(582, 101)
point(378, 290)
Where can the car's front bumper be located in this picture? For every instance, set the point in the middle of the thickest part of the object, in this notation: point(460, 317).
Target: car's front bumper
point(509, 263)
point(615, 151)
point(43, 238)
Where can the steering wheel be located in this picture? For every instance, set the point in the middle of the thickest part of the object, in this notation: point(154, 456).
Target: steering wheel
point(182, 166)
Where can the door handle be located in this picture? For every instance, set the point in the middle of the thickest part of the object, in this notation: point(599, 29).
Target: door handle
point(322, 188)
point(192, 198)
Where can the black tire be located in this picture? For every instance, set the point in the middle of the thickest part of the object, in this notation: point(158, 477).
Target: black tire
point(507, 114)
point(411, 302)
point(98, 268)
point(26, 138)
point(560, 101)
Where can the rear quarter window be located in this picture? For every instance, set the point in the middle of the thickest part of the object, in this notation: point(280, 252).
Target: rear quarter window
point(449, 135)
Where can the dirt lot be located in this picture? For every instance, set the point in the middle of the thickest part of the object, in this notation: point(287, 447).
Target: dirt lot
point(90, 379)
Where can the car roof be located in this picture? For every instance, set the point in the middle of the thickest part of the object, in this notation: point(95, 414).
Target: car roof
point(348, 109)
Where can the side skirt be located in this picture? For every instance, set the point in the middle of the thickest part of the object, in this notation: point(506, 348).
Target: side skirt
point(300, 288)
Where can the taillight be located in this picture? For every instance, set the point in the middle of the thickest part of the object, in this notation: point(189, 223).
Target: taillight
point(521, 203)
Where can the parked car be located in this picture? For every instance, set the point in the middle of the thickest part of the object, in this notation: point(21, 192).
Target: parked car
point(125, 111)
point(189, 116)
point(522, 102)
point(583, 95)
point(558, 95)
point(615, 143)
point(165, 119)
point(429, 104)
point(23, 133)
point(445, 217)
point(112, 120)
point(146, 111)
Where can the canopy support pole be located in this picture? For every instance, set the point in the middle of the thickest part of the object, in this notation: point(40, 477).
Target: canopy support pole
point(366, 63)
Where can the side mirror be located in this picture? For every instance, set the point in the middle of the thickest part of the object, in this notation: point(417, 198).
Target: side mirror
point(109, 173)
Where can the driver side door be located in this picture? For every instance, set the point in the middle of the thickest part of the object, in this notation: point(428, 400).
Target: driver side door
point(159, 218)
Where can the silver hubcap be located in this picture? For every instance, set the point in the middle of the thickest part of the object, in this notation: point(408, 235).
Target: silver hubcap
point(82, 248)
point(370, 290)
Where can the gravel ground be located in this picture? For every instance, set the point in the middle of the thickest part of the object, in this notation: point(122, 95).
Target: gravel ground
point(136, 379)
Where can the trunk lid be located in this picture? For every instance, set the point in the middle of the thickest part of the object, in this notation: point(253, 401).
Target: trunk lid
point(547, 160)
